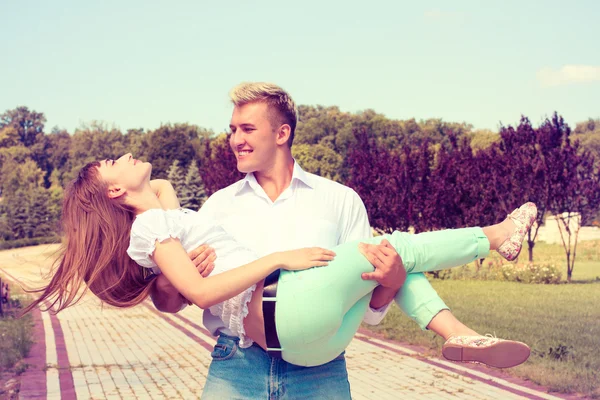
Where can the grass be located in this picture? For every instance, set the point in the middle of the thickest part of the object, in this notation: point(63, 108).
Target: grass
point(16, 338)
point(560, 322)
point(15, 335)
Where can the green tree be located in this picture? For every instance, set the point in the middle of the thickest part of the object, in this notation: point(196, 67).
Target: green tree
point(29, 124)
point(59, 149)
point(177, 177)
point(193, 194)
point(93, 142)
point(318, 159)
point(167, 144)
point(9, 136)
point(39, 220)
point(483, 139)
point(16, 176)
point(134, 142)
point(14, 208)
point(218, 166)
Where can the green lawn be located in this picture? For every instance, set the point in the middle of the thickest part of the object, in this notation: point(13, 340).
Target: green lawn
point(560, 322)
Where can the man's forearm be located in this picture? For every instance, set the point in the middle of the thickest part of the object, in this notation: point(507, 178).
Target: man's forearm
point(165, 297)
point(382, 296)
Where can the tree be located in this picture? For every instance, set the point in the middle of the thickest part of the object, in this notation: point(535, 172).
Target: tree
point(29, 124)
point(39, 220)
point(59, 149)
point(26, 203)
point(9, 137)
point(93, 142)
point(167, 144)
point(16, 176)
point(177, 177)
point(575, 188)
point(318, 159)
point(219, 166)
point(193, 194)
point(15, 209)
point(135, 141)
point(377, 175)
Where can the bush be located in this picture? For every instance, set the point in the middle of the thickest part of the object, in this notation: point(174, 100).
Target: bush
point(13, 244)
point(15, 340)
point(16, 334)
point(531, 273)
point(500, 270)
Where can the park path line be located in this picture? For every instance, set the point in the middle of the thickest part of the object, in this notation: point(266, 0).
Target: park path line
point(33, 380)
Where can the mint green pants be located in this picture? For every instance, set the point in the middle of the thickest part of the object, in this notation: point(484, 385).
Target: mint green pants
point(320, 309)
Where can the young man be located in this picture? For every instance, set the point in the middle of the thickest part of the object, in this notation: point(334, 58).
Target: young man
point(276, 207)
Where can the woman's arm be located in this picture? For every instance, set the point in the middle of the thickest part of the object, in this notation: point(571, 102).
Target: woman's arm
point(175, 264)
point(164, 296)
point(166, 193)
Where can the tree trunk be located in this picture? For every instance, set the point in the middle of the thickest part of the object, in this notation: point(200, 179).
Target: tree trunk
point(530, 245)
point(569, 267)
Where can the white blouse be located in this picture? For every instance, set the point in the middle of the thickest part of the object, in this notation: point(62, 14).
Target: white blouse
point(194, 229)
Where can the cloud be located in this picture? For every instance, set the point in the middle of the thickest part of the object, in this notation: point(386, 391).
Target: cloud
point(440, 15)
point(568, 74)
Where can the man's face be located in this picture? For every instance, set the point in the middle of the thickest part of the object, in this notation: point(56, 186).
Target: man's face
point(253, 138)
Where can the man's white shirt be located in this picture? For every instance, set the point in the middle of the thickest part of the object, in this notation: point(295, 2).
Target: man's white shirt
point(312, 211)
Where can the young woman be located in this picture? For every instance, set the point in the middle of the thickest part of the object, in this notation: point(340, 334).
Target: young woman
point(113, 220)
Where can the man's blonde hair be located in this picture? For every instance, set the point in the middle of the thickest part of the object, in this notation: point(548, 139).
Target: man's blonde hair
point(282, 109)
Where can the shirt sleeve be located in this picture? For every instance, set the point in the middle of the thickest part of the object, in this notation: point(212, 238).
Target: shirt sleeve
point(356, 227)
point(151, 226)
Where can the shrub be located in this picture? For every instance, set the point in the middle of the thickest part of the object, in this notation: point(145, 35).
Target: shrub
point(531, 273)
point(13, 244)
point(15, 340)
point(500, 270)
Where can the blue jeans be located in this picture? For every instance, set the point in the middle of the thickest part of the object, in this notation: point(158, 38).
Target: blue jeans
point(237, 373)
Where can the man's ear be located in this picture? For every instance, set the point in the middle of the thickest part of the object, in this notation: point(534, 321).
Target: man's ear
point(283, 134)
point(114, 192)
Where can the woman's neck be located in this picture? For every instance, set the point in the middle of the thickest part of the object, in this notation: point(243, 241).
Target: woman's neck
point(143, 200)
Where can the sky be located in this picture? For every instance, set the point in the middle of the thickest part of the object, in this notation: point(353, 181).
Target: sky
point(140, 64)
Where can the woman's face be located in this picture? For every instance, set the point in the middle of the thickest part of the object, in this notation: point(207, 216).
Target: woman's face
point(125, 173)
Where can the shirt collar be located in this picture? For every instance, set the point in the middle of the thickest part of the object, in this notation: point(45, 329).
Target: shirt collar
point(298, 175)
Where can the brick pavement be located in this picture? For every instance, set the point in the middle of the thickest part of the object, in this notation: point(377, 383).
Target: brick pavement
point(95, 352)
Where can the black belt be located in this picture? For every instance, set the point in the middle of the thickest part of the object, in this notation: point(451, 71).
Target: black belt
point(268, 307)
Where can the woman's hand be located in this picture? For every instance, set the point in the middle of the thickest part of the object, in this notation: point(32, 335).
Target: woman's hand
point(297, 260)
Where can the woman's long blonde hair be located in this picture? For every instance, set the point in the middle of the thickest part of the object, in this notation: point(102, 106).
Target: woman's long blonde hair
point(96, 233)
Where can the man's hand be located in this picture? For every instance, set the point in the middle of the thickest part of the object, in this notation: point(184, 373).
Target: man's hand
point(203, 258)
point(389, 270)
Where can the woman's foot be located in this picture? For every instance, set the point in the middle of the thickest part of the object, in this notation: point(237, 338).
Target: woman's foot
point(522, 218)
point(490, 351)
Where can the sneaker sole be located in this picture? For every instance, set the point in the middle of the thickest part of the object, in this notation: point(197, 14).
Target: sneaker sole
point(504, 354)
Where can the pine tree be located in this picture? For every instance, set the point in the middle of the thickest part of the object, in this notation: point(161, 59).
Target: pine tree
point(177, 177)
point(16, 214)
point(39, 218)
point(193, 194)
